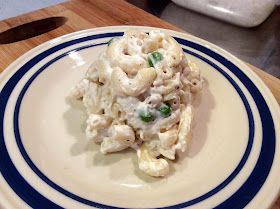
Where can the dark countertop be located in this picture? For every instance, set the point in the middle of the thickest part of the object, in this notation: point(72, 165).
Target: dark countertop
point(259, 46)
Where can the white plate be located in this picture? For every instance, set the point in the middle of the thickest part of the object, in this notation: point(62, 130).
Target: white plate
point(45, 161)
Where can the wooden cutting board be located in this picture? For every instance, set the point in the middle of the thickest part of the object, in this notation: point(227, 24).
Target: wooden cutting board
point(84, 14)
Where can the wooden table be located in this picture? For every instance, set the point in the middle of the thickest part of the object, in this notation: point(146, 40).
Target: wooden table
point(85, 14)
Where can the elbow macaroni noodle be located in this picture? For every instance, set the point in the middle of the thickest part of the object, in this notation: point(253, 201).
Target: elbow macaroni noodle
point(123, 91)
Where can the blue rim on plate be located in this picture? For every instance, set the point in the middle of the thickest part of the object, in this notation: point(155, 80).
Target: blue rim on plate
point(238, 200)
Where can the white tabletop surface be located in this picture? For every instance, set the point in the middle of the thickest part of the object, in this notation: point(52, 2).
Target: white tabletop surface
point(12, 8)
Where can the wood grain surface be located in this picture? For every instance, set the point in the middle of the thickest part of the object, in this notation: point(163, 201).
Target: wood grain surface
point(85, 14)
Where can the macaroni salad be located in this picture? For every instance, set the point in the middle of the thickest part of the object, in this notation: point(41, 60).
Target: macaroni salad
point(139, 94)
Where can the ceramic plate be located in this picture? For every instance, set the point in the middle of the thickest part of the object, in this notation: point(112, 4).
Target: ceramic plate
point(233, 160)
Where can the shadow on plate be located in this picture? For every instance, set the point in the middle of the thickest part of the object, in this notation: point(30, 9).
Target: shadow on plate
point(203, 106)
point(75, 119)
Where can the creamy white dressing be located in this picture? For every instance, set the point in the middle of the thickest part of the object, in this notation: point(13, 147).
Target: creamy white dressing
point(107, 66)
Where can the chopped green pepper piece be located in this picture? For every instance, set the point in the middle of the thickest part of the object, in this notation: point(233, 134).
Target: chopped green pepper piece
point(111, 41)
point(154, 58)
point(146, 116)
point(165, 110)
point(150, 62)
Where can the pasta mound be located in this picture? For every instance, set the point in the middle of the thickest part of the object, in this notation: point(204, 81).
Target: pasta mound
point(139, 94)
